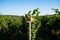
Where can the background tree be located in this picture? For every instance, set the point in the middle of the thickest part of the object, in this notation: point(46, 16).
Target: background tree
point(56, 10)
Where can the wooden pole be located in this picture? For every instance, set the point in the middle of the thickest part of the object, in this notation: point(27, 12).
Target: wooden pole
point(30, 20)
point(29, 30)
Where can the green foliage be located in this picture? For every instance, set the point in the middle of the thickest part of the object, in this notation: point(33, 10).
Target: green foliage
point(50, 28)
point(10, 28)
point(36, 12)
point(36, 23)
point(35, 26)
point(43, 28)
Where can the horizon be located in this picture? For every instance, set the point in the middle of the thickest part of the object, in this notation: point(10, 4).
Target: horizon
point(21, 7)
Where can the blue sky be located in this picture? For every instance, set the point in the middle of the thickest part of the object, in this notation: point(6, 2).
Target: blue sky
point(21, 7)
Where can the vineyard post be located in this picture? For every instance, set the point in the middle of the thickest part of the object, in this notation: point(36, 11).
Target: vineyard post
point(30, 20)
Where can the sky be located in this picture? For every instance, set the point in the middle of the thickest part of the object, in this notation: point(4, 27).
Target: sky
point(21, 7)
